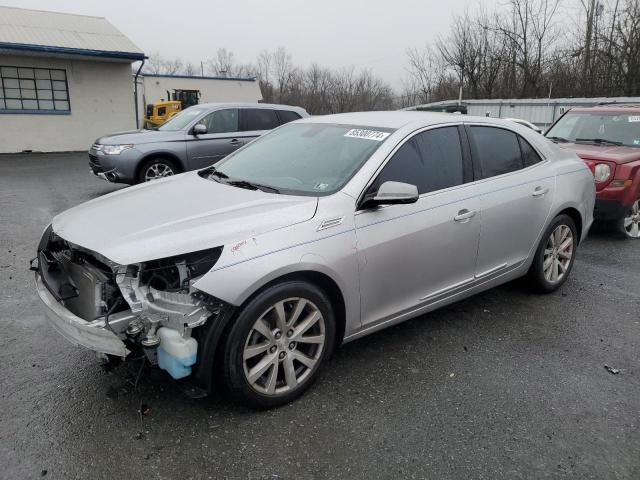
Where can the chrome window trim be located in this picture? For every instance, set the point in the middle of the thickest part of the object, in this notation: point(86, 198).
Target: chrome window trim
point(390, 155)
point(479, 181)
point(504, 127)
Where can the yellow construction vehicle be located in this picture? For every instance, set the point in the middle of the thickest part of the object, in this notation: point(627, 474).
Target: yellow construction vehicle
point(159, 112)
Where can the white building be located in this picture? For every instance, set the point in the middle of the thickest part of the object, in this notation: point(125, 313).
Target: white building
point(64, 80)
point(154, 88)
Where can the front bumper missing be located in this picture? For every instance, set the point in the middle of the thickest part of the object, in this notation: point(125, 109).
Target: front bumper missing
point(92, 335)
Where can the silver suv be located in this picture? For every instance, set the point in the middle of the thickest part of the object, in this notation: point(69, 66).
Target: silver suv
point(197, 137)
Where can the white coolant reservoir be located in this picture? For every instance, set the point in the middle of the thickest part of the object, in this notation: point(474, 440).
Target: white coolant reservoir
point(176, 354)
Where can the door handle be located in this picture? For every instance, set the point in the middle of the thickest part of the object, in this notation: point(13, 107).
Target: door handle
point(235, 142)
point(539, 191)
point(464, 215)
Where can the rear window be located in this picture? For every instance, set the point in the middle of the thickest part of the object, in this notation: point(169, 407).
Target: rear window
point(287, 116)
point(529, 155)
point(260, 119)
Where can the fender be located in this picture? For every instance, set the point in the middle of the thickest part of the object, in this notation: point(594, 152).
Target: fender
point(629, 171)
point(173, 156)
point(247, 266)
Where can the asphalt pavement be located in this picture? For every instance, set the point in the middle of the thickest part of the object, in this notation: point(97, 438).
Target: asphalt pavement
point(507, 384)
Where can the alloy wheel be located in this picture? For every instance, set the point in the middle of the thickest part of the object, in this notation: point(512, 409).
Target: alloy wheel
point(284, 346)
point(156, 171)
point(631, 223)
point(558, 254)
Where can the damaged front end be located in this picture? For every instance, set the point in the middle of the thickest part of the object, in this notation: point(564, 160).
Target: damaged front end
point(115, 310)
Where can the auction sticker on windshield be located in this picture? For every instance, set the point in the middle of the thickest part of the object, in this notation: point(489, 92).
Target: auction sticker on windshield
point(634, 118)
point(367, 134)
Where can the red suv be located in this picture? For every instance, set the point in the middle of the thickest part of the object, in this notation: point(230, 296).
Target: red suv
point(607, 138)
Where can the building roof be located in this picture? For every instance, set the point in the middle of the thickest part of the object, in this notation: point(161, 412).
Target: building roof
point(198, 77)
point(63, 34)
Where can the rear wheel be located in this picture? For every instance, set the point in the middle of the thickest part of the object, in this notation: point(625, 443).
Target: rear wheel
point(629, 226)
point(555, 255)
point(277, 344)
point(156, 168)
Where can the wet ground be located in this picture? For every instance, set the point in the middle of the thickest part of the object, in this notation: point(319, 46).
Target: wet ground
point(507, 384)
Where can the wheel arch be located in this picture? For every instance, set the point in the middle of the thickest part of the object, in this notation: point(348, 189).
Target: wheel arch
point(325, 283)
point(160, 154)
point(212, 335)
point(576, 216)
point(573, 212)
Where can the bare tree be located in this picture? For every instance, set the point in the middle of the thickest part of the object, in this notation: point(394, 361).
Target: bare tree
point(530, 28)
point(426, 70)
point(190, 69)
point(222, 64)
point(173, 66)
point(625, 48)
point(158, 65)
point(283, 70)
point(515, 50)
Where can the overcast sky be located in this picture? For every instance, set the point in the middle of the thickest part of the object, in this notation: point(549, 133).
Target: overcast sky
point(337, 33)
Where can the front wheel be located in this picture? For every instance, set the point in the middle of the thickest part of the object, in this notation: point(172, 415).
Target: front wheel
point(630, 224)
point(156, 168)
point(277, 344)
point(555, 255)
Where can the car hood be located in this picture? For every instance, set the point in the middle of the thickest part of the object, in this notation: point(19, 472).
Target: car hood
point(137, 137)
point(609, 153)
point(177, 215)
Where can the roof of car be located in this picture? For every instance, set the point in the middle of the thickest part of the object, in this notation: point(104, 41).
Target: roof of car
point(248, 105)
point(397, 119)
point(610, 107)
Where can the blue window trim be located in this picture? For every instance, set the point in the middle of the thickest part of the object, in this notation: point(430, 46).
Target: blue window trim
point(44, 111)
point(35, 112)
point(72, 51)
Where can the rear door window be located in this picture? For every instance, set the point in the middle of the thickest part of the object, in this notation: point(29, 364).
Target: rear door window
point(260, 119)
point(496, 150)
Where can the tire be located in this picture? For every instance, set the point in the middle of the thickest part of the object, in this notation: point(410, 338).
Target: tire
point(163, 167)
point(542, 273)
point(629, 225)
point(256, 329)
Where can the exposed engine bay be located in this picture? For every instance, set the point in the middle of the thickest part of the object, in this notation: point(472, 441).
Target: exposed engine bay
point(151, 306)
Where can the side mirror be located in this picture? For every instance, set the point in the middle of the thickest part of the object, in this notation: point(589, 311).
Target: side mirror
point(199, 129)
point(391, 193)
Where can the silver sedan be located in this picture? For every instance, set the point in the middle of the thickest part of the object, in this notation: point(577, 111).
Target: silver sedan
point(318, 233)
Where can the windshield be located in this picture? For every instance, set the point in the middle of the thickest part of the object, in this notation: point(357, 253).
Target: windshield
point(584, 127)
point(181, 120)
point(304, 158)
